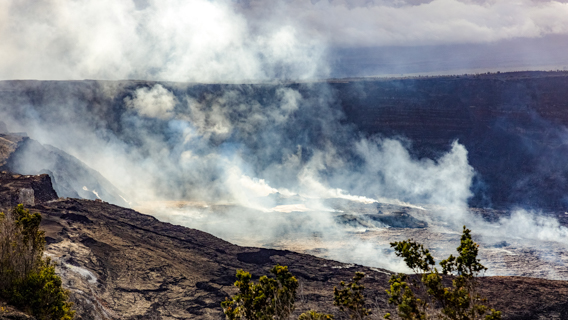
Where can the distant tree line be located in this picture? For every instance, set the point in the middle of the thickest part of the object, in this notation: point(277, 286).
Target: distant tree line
point(415, 297)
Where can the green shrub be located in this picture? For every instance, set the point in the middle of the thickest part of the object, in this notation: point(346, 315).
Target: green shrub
point(21, 244)
point(350, 298)
point(429, 298)
point(41, 294)
point(27, 280)
point(420, 297)
point(271, 298)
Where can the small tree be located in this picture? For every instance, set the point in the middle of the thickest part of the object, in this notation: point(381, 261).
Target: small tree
point(350, 298)
point(271, 298)
point(21, 244)
point(27, 280)
point(429, 298)
point(41, 294)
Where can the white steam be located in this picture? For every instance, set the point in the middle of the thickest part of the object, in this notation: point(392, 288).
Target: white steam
point(227, 41)
point(523, 224)
point(445, 181)
point(261, 160)
point(156, 102)
point(263, 164)
point(179, 40)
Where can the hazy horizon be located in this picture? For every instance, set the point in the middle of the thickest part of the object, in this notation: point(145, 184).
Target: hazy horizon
point(236, 40)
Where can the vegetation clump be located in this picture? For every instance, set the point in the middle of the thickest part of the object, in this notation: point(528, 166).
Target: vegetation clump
point(350, 298)
point(416, 297)
point(428, 297)
point(314, 315)
point(271, 298)
point(27, 280)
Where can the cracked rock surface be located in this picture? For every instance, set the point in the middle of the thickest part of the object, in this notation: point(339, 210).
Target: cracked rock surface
point(119, 263)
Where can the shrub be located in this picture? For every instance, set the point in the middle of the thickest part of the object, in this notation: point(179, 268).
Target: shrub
point(27, 280)
point(21, 244)
point(350, 298)
point(313, 315)
point(41, 294)
point(429, 298)
point(271, 298)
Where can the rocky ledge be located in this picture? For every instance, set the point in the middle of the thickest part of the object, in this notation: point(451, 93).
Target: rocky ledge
point(25, 189)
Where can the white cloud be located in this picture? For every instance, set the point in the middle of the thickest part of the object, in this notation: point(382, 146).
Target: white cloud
point(198, 40)
point(352, 23)
point(222, 40)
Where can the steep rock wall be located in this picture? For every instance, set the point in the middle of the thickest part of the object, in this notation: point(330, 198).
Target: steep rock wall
point(512, 124)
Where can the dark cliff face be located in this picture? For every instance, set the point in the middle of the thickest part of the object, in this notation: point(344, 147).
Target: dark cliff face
point(71, 177)
point(513, 125)
point(28, 190)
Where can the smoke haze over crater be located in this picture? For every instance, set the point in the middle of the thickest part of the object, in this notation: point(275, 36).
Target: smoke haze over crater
point(255, 163)
point(279, 149)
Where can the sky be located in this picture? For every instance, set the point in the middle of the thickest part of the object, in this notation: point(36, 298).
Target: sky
point(252, 40)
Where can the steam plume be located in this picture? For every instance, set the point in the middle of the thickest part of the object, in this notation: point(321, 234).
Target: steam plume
point(263, 158)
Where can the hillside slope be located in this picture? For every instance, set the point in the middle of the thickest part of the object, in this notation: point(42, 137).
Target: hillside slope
point(120, 264)
point(70, 176)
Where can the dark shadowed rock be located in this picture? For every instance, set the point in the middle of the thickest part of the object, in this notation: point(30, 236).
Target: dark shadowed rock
point(70, 176)
point(28, 190)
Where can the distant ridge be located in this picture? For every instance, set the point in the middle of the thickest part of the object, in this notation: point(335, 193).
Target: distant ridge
point(70, 177)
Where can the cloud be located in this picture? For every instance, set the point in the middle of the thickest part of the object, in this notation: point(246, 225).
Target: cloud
point(236, 41)
point(354, 23)
point(199, 40)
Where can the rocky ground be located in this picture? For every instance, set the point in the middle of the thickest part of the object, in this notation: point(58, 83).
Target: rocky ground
point(507, 249)
point(124, 264)
point(120, 264)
